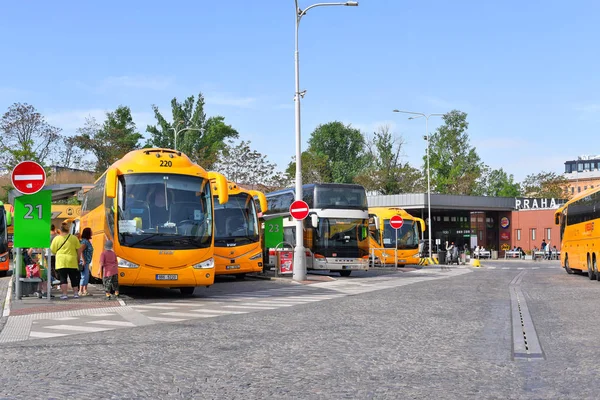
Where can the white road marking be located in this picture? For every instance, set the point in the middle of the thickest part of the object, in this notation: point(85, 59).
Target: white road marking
point(165, 319)
point(225, 312)
point(113, 323)
point(65, 318)
point(253, 307)
point(153, 307)
point(78, 328)
point(46, 334)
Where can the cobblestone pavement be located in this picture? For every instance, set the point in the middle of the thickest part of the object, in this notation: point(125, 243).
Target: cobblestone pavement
point(141, 313)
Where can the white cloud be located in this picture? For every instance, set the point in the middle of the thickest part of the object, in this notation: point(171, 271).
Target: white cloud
point(223, 99)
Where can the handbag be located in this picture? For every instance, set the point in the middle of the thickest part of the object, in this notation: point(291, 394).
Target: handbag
point(80, 266)
point(33, 271)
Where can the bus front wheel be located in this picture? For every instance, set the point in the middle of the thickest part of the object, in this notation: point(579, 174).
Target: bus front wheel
point(187, 291)
point(345, 273)
point(567, 268)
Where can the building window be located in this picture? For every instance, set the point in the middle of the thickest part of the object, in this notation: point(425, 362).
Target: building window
point(585, 187)
point(548, 233)
point(586, 166)
point(579, 167)
point(572, 190)
point(518, 234)
point(578, 189)
point(533, 234)
point(592, 186)
point(567, 168)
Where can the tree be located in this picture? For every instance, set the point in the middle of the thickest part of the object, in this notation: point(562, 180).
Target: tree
point(25, 136)
point(70, 155)
point(545, 185)
point(240, 164)
point(498, 183)
point(110, 141)
point(455, 167)
point(204, 139)
point(344, 148)
point(386, 173)
point(315, 168)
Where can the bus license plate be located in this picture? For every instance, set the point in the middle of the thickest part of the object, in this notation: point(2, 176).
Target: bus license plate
point(166, 277)
point(232, 267)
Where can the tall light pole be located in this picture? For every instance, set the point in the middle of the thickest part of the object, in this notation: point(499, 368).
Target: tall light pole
point(299, 261)
point(177, 132)
point(426, 116)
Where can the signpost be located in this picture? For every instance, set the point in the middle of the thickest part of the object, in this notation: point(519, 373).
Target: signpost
point(299, 210)
point(396, 222)
point(32, 213)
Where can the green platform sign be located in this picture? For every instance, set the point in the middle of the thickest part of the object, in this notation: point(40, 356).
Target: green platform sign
point(32, 220)
point(273, 232)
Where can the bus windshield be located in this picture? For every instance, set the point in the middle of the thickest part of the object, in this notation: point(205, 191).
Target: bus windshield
point(342, 237)
point(235, 221)
point(3, 232)
point(164, 211)
point(408, 235)
point(340, 197)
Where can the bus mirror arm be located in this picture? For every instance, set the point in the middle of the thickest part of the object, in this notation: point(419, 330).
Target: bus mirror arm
point(314, 220)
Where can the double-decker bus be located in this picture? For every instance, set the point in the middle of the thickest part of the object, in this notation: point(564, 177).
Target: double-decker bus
point(237, 233)
point(336, 231)
point(382, 237)
point(5, 221)
point(156, 205)
point(579, 221)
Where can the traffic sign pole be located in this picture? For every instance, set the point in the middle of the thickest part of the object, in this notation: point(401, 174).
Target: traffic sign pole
point(299, 210)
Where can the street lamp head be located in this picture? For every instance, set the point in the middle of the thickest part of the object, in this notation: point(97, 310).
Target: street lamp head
point(395, 110)
point(352, 3)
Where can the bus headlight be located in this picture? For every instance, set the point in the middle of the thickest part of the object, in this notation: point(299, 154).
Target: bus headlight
point(126, 264)
point(3, 259)
point(256, 256)
point(210, 263)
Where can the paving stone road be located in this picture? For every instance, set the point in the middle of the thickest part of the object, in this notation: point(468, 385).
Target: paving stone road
point(436, 338)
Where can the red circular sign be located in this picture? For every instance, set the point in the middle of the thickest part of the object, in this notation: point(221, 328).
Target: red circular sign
point(299, 210)
point(396, 222)
point(28, 177)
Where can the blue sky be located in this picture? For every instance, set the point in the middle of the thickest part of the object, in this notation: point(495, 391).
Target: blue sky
point(525, 72)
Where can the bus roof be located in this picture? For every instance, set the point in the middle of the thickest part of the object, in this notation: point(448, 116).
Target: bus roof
point(388, 212)
point(579, 196)
point(311, 186)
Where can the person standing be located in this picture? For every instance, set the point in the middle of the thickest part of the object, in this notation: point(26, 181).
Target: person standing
point(66, 247)
point(109, 269)
point(87, 251)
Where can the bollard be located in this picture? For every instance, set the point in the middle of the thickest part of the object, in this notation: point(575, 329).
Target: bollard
point(49, 275)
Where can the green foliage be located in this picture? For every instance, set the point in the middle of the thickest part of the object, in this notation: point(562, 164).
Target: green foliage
point(315, 168)
point(344, 148)
point(25, 136)
point(498, 183)
point(455, 167)
point(545, 185)
point(240, 164)
point(386, 173)
point(199, 138)
point(110, 141)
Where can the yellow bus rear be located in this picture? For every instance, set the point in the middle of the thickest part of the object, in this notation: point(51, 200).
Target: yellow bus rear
point(382, 237)
point(579, 221)
point(156, 206)
point(238, 248)
point(5, 222)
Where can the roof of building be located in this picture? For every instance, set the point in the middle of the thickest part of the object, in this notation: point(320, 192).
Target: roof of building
point(59, 192)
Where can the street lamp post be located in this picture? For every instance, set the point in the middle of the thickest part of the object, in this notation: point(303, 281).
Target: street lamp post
point(426, 116)
point(177, 132)
point(299, 261)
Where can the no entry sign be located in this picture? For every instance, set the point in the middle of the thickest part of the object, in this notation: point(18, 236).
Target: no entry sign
point(28, 177)
point(396, 222)
point(299, 210)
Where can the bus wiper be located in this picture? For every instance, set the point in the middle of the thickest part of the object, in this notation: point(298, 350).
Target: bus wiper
point(144, 239)
point(248, 237)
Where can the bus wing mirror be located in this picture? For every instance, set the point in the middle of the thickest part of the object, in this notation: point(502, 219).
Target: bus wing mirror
point(111, 183)
point(556, 219)
point(314, 220)
point(221, 185)
point(8, 219)
point(262, 200)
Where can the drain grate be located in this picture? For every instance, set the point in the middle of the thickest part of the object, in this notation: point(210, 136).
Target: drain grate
point(526, 344)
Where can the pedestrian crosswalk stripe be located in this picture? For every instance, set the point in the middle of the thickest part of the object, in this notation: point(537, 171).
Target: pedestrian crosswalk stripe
point(252, 307)
point(79, 328)
point(45, 335)
point(109, 322)
point(166, 319)
point(153, 307)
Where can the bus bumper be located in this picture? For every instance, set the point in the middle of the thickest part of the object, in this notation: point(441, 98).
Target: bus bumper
point(340, 264)
point(227, 268)
point(145, 276)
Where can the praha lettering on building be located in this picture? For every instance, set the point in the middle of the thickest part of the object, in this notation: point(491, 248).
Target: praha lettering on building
point(522, 203)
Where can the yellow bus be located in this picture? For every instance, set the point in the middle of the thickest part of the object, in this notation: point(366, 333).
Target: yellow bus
point(579, 221)
point(156, 206)
point(237, 233)
point(382, 237)
point(5, 221)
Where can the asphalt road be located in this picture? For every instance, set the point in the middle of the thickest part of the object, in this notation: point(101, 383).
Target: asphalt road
point(444, 339)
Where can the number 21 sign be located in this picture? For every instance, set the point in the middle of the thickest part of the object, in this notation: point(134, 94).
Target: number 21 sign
point(32, 220)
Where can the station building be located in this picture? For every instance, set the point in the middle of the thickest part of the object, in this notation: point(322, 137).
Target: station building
point(496, 223)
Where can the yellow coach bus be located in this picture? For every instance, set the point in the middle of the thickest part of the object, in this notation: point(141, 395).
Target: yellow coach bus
point(579, 221)
point(5, 221)
point(237, 233)
point(382, 237)
point(157, 207)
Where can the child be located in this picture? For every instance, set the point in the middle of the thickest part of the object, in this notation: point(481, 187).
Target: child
point(110, 270)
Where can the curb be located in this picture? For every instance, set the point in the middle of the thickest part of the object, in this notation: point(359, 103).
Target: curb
point(6, 310)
